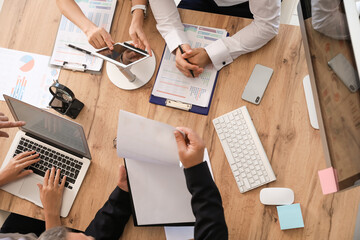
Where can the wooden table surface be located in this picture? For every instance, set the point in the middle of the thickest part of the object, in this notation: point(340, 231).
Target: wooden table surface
point(292, 146)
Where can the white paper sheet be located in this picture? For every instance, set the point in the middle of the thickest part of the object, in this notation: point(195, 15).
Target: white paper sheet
point(172, 84)
point(26, 76)
point(146, 140)
point(182, 233)
point(99, 12)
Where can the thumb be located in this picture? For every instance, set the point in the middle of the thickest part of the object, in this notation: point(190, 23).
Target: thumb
point(4, 134)
point(24, 173)
point(180, 141)
point(40, 186)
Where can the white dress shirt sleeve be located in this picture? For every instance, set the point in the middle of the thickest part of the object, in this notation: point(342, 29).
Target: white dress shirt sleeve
point(169, 23)
point(252, 37)
point(222, 52)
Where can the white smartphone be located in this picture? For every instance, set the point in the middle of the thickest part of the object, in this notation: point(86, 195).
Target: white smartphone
point(258, 81)
point(345, 72)
point(123, 54)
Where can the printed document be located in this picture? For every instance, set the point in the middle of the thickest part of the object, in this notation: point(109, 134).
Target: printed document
point(99, 12)
point(26, 77)
point(172, 84)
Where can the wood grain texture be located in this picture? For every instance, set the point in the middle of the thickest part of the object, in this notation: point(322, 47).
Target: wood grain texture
point(292, 146)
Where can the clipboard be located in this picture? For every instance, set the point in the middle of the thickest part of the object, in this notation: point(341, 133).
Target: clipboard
point(101, 14)
point(184, 105)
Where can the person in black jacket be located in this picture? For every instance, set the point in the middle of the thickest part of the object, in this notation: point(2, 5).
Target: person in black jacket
point(110, 220)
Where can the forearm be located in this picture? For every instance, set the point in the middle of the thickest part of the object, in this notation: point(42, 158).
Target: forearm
point(206, 203)
point(72, 11)
point(168, 22)
point(252, 37)
point(52, 220)
point(110, 220)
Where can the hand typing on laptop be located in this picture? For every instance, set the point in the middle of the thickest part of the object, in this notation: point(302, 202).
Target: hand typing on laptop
point(14, 169)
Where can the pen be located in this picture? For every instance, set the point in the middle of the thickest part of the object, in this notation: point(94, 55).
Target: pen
point(182, 51)
point(79, 49)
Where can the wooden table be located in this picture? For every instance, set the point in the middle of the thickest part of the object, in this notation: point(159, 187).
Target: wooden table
point(292, 146)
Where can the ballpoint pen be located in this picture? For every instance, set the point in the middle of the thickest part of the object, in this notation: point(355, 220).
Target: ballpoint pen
point(79, 49)
point(182, 51)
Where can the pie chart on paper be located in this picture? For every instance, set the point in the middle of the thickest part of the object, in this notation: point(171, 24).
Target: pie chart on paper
point(28, 63)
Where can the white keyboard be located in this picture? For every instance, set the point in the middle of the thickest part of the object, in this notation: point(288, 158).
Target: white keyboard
point(243, 149)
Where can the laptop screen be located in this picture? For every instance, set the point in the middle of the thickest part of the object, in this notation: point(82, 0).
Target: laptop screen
point(50, 127)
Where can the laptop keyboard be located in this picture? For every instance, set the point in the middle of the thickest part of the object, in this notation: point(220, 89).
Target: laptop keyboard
point(50, 158)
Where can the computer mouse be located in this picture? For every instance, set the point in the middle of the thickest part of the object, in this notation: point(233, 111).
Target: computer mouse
point(276, 196)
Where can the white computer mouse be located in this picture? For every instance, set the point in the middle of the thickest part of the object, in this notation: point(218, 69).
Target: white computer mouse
point(276, 196)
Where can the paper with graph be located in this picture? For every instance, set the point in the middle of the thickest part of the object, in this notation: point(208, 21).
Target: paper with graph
point(26, 76)
point(101, 13)
point(172, 84)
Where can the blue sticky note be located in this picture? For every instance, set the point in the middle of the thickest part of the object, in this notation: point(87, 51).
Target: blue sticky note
point(290, 216)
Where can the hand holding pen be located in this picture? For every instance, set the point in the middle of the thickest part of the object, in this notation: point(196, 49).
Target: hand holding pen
point(184, 65)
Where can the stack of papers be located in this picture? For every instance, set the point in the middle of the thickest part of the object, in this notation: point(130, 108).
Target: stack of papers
point(26, 77)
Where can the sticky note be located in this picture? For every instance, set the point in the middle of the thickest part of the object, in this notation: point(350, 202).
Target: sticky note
point(328, 180)
point(290, 216)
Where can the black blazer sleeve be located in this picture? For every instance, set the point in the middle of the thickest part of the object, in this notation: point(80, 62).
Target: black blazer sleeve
point(206, 204)
point(110, 220)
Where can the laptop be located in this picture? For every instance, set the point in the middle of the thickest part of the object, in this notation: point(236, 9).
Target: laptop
point(60, 142)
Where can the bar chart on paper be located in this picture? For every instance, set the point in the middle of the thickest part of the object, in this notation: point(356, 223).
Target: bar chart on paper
point(100, 12)
point(26, 76)
point(172, 84)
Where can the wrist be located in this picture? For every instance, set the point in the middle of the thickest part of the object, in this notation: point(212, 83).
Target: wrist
point(89, 27)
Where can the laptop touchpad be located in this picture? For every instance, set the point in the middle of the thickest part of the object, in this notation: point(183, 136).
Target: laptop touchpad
point(30, 191)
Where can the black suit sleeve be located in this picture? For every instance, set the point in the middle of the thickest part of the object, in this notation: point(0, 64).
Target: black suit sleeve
point(110, 220)
point(206, 204)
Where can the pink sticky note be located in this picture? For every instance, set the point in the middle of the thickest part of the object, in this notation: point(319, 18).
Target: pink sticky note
point(328, 180)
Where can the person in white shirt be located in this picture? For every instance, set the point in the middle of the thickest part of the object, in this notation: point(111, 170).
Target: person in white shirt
point(98, 37)
point(262, 29)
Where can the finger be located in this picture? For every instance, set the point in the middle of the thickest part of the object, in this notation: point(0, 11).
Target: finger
point(188, 54)
point(145, 42)
point(134, 38)
point(2, 114)
point(52, 176)
point(46, 178)
point(101, 40)
point(107, 38)
point(4, 118)
point(24, 173)
point(11, 124)
point(122, 173)
point(31, 157)
point(40, 186)
point(62, 185)
point(180, 141)
point(28, 163)
point(4, 134)
point(23, 155)
point(193, 137)
point(57, 178)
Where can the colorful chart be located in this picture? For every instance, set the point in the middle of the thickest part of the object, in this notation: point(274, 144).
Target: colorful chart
point(19, 89)
point(29, 63)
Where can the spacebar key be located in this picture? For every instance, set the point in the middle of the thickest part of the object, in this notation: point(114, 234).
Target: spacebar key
point(38, 172)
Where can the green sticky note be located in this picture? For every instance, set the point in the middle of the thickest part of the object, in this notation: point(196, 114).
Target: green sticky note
point(290, 216)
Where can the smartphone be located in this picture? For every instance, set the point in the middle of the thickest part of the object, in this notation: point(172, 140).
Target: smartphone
point(258, 81)
point(345, 72)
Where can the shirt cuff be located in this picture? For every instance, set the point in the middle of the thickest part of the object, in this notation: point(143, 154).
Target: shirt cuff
point(219, 54)
point(175, 38)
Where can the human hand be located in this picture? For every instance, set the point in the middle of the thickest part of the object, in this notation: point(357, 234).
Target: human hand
point(137, 33)
point(99, 37)
point(197, 56)
point(51, 197)
point(191, 153)
point(14, 169)
point(122, 182)
point(4, 123)
point(183, 65)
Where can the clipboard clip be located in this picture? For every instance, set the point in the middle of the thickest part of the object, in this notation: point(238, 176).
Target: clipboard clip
point(74, 66)
point(177, 104)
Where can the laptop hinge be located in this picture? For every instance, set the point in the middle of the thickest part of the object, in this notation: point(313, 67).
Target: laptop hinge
point(54, 145)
